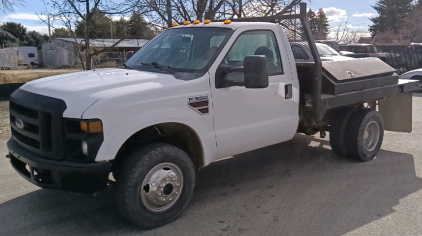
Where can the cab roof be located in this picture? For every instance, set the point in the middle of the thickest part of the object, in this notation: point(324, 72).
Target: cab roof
point(233, 25)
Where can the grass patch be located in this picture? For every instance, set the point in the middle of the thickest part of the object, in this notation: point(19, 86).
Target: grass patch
point(24, 76)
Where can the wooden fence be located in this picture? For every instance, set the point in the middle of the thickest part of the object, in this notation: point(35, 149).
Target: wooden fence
point(403, 58)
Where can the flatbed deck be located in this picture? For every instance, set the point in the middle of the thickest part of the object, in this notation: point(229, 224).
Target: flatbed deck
point(326, 86)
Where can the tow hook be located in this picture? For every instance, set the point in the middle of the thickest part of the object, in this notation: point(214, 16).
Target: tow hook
point(8, 156)
point(322, 134)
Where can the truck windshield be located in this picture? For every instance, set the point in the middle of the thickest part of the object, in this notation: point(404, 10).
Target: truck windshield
point(182, 50)
point(325, 50)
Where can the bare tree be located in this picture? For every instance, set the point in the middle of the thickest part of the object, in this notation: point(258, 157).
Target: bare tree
point(68, 12)
point(409, 30)
point(10, 5)
point(165, 12)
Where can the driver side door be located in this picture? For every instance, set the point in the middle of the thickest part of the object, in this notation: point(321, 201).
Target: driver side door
point(248, 119)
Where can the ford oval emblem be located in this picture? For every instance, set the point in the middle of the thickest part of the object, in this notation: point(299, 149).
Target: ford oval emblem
point(19, 123)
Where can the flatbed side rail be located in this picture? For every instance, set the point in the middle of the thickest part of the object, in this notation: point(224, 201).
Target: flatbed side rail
point(377, 93)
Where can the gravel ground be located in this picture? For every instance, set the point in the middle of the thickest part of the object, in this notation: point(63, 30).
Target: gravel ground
point(295, 188)
point(4, 120)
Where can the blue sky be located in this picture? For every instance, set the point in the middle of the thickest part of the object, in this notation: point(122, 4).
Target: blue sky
point(356, 12)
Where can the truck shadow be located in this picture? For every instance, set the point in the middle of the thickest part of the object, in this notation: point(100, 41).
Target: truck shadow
point(294, 188)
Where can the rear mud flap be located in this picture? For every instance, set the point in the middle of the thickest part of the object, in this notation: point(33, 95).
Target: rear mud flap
point(396, 112)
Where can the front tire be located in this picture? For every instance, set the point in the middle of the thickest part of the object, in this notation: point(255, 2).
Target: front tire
point(155, 185)
point(364, 135)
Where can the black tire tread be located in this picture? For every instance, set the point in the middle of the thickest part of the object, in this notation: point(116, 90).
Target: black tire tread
point(127, 181)
point(338, 125)
point(354, 128)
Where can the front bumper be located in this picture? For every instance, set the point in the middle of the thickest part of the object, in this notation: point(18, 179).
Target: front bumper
point(56, 174)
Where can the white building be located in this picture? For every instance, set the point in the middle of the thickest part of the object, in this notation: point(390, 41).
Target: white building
point(61, 52)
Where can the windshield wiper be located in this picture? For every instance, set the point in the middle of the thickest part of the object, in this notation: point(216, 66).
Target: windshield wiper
point(126, 66)
point(161, 67)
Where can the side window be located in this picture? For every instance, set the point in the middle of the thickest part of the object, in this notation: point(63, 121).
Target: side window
point(260, 42)
point(299, 53)
point(31, 55)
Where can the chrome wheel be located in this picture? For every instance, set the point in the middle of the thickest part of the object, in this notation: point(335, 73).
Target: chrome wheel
point(371, 136)
point(161, 187)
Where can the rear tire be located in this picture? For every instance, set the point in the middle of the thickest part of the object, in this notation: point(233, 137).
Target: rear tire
point(338, 123)
point(365, 133)
point(155, 185)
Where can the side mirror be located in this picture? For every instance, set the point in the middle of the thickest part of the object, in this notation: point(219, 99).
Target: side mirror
point(255, 72)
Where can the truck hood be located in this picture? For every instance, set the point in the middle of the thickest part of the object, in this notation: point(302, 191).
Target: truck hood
point(82, 89)
point(336, 58)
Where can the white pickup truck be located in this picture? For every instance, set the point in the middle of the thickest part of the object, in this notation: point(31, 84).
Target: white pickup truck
point(195, 94)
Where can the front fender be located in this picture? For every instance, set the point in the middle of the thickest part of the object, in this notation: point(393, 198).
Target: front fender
point(118, 128)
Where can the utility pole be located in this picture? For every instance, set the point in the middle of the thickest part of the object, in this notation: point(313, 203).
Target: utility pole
point(49, 27)
point(111, 30)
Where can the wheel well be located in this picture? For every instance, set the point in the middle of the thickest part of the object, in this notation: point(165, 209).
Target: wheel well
point(416, 77)
point(179, 135)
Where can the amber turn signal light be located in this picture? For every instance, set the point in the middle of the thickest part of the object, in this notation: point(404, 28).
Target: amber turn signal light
point(92, 127)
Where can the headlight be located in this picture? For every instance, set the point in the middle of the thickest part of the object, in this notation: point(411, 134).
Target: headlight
point(85, 148)
point(83, 139)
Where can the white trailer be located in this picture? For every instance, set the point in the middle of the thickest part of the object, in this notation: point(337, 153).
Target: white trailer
point(13, 57)
point(27, 55)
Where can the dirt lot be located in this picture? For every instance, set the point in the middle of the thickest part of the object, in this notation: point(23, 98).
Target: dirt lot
point(23, 76)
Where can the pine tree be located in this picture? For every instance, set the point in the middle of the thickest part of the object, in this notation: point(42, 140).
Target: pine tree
point(322, 25)
point(7, 39)
point(390, 14)
point(100, 27)
point(312, 19)
point(35, 39)
point(17, 30)
point(61, 33)
point(138, 27)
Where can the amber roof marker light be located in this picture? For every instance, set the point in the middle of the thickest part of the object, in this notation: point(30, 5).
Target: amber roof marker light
point(187, 22)
point(226, 22)
point(175, 24)
point(196, 22)
point(207, 21)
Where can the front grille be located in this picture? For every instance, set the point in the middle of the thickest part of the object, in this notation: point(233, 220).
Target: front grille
point(37, 123)
point(33, 121)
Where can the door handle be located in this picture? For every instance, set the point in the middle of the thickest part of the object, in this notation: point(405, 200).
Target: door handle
point(288, 90)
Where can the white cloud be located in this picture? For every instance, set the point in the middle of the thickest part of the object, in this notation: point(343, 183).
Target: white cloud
point(42, 29)
point(116, 18)
point(335, 14)
point(367, 15)
point(39, 28)
point(23, 16)
point(349, 26)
